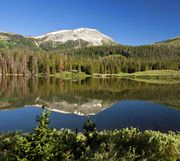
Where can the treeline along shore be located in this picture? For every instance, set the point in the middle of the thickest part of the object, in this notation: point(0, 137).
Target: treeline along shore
point(89, 60)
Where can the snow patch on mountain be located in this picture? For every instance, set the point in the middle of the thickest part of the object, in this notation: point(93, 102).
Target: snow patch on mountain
point(93, 36)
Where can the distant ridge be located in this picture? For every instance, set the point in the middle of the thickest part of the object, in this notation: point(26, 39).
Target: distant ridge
point(68, 39)
point(172, 42)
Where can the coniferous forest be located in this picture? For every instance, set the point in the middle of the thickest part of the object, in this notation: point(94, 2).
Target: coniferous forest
point(100, 59)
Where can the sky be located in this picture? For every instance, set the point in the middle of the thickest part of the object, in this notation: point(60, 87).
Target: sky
point(130, 22)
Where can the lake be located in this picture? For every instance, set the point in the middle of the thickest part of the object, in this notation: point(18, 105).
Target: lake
point(111, 103)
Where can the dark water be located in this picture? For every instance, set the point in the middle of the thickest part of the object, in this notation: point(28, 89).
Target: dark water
point(112, 103)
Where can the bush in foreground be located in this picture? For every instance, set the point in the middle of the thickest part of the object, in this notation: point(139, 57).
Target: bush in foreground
point(129, 144)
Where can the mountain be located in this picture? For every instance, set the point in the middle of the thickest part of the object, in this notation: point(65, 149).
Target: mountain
point(173, 42)
point(58, 40)
point(92, 36)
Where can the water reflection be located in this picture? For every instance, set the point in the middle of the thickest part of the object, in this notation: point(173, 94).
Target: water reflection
point(84, 97)
point(141, 114)
point(112, 103)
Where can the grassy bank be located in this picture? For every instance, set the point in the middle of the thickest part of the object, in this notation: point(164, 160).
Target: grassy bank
point(128, 144)
point(63, 75)
point(67, 75)
point(157, 76)
point(151, 76)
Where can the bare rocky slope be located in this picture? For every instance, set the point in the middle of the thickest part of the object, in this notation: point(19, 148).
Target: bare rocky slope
point(91, 36)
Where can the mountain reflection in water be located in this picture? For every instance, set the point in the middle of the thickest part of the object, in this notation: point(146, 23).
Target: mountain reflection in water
point(112, 103)
point(88, 96)
point(90, 108)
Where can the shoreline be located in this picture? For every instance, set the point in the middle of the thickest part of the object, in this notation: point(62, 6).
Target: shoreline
point(151, 76)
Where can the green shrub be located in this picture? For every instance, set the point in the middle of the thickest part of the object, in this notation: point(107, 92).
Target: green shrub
point(129, 144)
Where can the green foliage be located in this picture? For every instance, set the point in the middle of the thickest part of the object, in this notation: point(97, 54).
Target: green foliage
point(99, 59)
point(8, 144)
point(47, 144)
point(43, 121)
point(90, 133)
point(57, 46)
point(17, 41)
point(4, 44)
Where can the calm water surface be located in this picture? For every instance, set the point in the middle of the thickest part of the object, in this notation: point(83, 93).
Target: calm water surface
point(111, 103)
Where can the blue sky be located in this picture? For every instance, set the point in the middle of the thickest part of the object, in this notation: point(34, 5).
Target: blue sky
point(131, 22)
